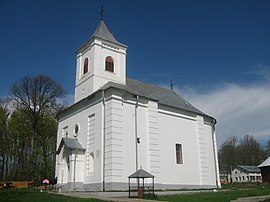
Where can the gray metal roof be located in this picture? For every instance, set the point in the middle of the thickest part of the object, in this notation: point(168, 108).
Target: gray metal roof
point(72, 144)
point(103, 32)
point(161, 95)
point(249, 169)
point(265, 163)
point(141, 174)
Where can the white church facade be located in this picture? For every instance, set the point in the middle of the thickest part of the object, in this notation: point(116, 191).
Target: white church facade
point(118, 125)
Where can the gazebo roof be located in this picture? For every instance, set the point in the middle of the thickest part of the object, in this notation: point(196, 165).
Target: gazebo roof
point(141, 174)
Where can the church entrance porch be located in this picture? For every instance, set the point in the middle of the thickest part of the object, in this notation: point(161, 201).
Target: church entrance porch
point(70, 163)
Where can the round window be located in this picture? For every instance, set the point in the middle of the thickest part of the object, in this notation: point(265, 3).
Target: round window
point(76, 130)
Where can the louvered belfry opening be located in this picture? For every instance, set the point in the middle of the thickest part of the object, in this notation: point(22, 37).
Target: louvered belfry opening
point(109, 65)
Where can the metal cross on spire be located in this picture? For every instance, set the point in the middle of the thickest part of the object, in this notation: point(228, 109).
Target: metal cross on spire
point(101, 12)
point(171, 85)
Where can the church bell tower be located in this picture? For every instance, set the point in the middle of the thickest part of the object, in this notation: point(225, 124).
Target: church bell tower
point(99, 60)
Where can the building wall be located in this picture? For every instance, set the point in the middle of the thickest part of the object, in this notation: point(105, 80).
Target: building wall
point(97, 76)
point(265, 171)
point(182, 130)
point(239, 175)
point(90, 140)
point(159, 129)
point(198, 167)
point(120, 161)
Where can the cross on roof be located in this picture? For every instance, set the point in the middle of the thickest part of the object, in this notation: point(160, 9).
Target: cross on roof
point(101, 12)
point(171, 85)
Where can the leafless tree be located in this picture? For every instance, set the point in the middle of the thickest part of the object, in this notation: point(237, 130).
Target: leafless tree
point(37, 99)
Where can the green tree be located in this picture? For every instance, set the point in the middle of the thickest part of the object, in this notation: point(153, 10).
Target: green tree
point(20, 128)
point(249, 151)
point(47, 145)
point(227, 155)
point(246, 151)
point(23, 162)
point(36, 99)
point(267, 148)
point(4, 142)
point(38, 95)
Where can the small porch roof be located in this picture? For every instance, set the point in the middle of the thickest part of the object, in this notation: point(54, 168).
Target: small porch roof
point(72, 144)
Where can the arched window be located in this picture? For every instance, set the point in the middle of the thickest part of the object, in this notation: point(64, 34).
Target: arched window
point(179, 154)
point(109, 65)
point(85, 66)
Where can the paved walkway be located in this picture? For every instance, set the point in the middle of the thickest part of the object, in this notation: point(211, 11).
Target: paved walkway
point(252, 199)
point(104, 197)
point(122, 196)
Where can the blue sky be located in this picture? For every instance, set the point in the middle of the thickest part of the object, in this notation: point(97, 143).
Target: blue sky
point(216, 52)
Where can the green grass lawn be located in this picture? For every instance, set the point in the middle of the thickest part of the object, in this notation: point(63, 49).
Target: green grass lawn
point(229, 192)
point(34, 195)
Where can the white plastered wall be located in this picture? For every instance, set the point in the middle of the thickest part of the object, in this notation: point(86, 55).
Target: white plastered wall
point(81, 118)
point(97, 76)
point(182, 130)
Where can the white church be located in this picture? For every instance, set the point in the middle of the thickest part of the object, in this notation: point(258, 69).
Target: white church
point(118, 125)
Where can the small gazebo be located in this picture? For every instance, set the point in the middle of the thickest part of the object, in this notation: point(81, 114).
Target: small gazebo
point(140, 188)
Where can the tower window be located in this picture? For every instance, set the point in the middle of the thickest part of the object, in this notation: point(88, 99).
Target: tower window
point(85, 66)
point(179, 154)
point(109, 64)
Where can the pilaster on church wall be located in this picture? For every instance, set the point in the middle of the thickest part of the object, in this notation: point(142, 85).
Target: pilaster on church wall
point(206, 152)
point(142, 133)
point(78, 68)
point(113, 140)
point(129, 155)
point(153, 139)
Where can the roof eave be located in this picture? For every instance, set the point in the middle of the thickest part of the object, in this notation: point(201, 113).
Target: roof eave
point(202, 114)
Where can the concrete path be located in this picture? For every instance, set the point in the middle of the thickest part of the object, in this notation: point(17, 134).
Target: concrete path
point(252, 199)
point(104, 197)
point(122, 196)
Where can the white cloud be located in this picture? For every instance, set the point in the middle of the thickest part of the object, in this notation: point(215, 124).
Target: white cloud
point(67, 99)
point(239, 110)
point(261, 70)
